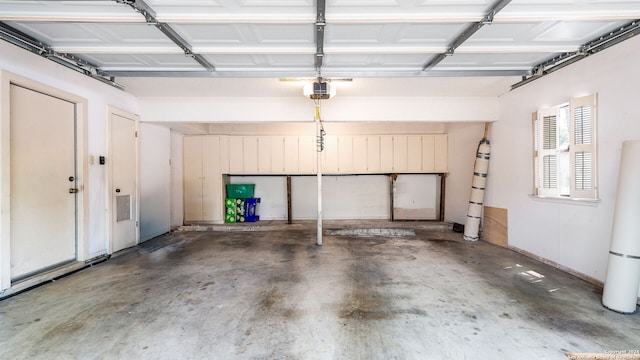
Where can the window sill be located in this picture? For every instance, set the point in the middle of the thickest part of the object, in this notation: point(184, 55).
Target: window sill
point(566, 200)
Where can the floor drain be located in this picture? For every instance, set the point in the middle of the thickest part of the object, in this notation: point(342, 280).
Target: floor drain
point(372, 232)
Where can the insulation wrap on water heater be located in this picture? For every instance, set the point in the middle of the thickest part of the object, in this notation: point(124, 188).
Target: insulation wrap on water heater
point(478, 185)
point(623, 272)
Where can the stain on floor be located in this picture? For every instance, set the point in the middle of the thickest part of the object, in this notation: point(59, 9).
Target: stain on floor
point(276, 295)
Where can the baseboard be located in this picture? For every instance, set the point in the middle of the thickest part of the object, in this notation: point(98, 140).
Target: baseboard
point(577, 274)
point(51, 275)
point(570, 271)
point(39, 279)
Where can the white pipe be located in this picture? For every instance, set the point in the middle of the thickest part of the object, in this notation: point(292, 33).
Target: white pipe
point(623, 271)
point(476, 200)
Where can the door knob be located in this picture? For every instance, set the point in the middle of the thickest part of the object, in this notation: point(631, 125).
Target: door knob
point(117, 190)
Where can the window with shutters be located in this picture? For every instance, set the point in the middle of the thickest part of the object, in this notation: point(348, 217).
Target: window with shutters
point(564, 151)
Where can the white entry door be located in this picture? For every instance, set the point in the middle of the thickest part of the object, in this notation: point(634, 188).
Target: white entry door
point(42, 181)
point(123, 165)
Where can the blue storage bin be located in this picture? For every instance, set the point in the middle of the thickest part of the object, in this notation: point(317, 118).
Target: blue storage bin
point(251, 210)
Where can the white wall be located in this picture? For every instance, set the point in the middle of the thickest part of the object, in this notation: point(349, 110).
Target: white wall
point(343, 197)
point(272, 191)
point(573, 235)
point(354, 108)
point(98, 95)
point(177, 199)
point(155, 180)
point(463, 144)
point(416, 197)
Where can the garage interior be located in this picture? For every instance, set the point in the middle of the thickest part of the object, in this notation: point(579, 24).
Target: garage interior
point(123, 122)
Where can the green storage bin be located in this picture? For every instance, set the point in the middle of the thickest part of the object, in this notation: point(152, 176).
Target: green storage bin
point(240, 191)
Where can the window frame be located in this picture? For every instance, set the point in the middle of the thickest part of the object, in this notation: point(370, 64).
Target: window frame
point(583, 176)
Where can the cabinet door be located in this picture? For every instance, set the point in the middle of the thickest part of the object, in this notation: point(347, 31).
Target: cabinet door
point(330, 165)
point(211, 179)
point(386, 153)
point(373, 154)
point(250, 154)
point(291, 154)
point(360, 154)
point(345, 154)
point(307, 154)
point(277, 154)
point(441, 153)
point(235, 155)
point(400, 155)
point(192, 168)
point(264, 154)
point(224, 154)
point(428, 153)
point(414, 153)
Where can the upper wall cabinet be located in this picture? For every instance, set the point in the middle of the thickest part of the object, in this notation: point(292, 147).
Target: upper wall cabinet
point(344, 154)
point(270, 155)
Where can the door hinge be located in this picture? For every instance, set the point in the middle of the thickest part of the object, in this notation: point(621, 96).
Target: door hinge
point(136, 133)
point(136, 224)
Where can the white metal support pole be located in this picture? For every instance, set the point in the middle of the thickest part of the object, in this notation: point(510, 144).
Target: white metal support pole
point(319, 172)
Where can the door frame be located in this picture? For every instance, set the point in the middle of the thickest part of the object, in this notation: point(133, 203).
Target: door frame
point(82, 225)
point(111, 214)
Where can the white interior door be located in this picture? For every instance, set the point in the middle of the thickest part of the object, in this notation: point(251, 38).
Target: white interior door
point(42, 181)
point(124, 203)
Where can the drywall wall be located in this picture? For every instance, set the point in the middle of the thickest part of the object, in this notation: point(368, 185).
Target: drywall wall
point(463, 144)
point(343, 197)
point(330, 127)
point(272, 191)
point(574, 235)
point(177, 199)
point(268, 109)
point(416, 197)
point(98, 95)
point(155, 180)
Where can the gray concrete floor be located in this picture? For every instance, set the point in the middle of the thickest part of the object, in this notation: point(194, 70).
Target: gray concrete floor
point(276, 295)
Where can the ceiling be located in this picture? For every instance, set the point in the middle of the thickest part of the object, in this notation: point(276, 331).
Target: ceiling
point(514, 40)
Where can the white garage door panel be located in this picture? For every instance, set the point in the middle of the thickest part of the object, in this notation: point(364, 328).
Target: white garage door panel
point(43, 212)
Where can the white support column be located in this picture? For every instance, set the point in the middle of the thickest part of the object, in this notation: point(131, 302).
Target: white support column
point(319, 172)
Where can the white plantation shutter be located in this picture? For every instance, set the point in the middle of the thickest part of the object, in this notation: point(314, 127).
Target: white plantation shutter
point(582, 150)
point(546, 159)
point(536, 161)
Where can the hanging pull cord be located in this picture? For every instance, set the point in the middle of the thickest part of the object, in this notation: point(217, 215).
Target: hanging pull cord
point(321, 133)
